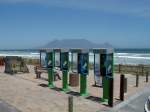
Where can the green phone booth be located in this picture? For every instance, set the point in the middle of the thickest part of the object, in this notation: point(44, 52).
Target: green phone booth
point(83, 70)
point(64, 57)
point(50, 67)
point(74, 76)
point(106, 70)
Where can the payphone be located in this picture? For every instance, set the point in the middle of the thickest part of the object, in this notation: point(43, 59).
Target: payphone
point(65, 68)
point(50, 67)
point(106, 70)
point(83, 70)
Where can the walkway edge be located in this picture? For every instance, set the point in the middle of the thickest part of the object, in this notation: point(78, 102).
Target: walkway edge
point(7, 107)
point(131, 98)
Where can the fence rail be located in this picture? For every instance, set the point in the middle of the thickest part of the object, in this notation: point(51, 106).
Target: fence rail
point(132, 69)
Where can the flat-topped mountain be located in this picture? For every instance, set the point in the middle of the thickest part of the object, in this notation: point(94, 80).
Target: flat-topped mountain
point(75, 43)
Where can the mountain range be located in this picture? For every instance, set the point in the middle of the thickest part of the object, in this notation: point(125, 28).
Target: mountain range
point(75, 43)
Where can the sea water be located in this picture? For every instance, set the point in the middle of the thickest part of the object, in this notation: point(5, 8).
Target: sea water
point(121, 56)
point(132, 56)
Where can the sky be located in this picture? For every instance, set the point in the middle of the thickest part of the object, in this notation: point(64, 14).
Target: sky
point(32, 23)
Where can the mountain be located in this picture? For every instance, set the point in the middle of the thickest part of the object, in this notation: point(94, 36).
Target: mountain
point(75, 43)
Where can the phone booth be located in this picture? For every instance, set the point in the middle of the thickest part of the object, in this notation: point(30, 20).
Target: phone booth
point(106, 70)
point(64, 56)
point(97, 73)
point(74, 76)
point(50, 67)
point(83, 70)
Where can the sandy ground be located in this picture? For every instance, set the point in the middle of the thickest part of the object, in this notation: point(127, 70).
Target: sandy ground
point(25, 92)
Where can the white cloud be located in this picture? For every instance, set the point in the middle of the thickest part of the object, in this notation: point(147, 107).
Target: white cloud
point(130, 7)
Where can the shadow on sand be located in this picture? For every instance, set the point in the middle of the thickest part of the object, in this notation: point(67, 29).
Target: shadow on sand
point(96, 86)
point(57, 89)
point(94, 98)
point(73, 93)
point(43, 85)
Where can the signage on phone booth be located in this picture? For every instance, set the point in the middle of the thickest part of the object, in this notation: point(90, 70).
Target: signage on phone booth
point(103, 65)
point(109, 64)
point(64, 61)
point(83, 61)
point(49, 60)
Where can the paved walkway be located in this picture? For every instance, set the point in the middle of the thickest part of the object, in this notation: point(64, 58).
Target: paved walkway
point(4, 107)
point(28, 94)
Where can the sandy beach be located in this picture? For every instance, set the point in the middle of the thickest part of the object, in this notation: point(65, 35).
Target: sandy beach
point(29, 94)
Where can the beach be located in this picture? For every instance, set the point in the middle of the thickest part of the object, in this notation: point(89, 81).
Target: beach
point(29, 94)
point(121, 56)
point(74, 55)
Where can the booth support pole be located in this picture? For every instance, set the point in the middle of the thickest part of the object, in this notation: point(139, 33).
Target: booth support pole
point(83, 85)
point(50, 78)
point(65, 80)
point(105, 88)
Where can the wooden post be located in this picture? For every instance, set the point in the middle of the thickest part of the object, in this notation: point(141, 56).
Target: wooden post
point(142, 69)
point(122, 87)
point(111, 88)
point(137, 80)
point(70, 104)
point(125, 85)
point(119, 68)
point(147, 76)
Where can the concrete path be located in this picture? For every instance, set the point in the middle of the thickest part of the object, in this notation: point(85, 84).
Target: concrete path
point(134, 103)
point(4, 107)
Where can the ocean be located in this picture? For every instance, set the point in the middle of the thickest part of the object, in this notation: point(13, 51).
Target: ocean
point(121, 56)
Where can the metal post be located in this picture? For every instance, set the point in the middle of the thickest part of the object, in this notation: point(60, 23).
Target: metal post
point(83, 85)
point(70, 104)
point(50, 78)
point(122, 87)
point(105, 81)
point(111, 87)
point(137, 80)
point(65, 80)
point(146, 76)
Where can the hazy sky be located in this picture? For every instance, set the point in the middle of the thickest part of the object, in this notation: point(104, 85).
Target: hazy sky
point(31, 23)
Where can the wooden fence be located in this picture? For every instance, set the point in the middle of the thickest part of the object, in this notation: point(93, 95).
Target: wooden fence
point(132, 69)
